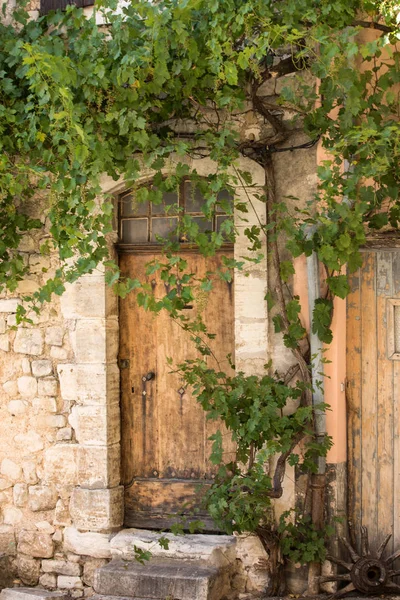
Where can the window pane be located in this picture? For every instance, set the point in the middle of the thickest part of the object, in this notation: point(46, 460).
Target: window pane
point(169, 199)
point(134, 231)
point(203, 225)
point(163, 227)
point(130, 208)
point(225, 201)
point(228, 236)
point(194, 200)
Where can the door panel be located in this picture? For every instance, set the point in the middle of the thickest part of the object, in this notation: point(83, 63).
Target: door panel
point(372, 398)
point(165, 446)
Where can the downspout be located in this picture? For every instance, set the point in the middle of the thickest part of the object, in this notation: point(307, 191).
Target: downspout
point(317, 369)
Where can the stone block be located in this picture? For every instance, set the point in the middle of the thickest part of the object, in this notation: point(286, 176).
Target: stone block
point(28, 341)
point(54, 336)
point(97, 510)
point(9, 305)
point(41, 368)
point(96, 425)
point(61, 567)
point(58, 353)
point(89, 569)
point(52, 421)
point(69, 583)
point(214, 550)
point(96, 545)
point(42, 497)
point(5, 484)
point(35, 544)
point(27, 386)
point(45, 404)
point(46, 527)
point(64, 434)
point(28, 570)
point(20, 494)
point(7, 540)
point(48, 387)
point(3, 325)
point(99, 466)
point(96, 341)
point(10, 469)
point(5, 342)
point(60, 464)
point(88, 297)
point(29, 471)
point(30, 441)
point(26, 366)
point(48, 580)
point(17, 407)
point(12, 516)
point(11, 388)
point(30, 594)
point(89, 384)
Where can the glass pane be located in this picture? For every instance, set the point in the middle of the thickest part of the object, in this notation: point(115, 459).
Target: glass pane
point(225, 201)
point(130, 208)
point(203, 224)
point(134, 231)
point(229, 237)
point(163, 227)
point(194, 199)
point(169, 199)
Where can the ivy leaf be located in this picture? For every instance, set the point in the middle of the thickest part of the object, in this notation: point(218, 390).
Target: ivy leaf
point(322, 317)
point(338, 285)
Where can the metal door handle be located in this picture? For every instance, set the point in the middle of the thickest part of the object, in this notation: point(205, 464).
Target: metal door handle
point(150, 375)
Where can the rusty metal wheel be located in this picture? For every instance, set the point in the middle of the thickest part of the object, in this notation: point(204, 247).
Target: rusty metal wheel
point(369, 573)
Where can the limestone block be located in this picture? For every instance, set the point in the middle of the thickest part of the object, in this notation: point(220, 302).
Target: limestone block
point(10, 469)
point(46, 404)
point(20, 494)
point(69, 583)
point(89, 569)
point(54, 336)
point(58, 536)
point(97, 510)
point(88, 297)
point(3, 325)
point(96, 340)
point(250, 551)
point(61, 515)
point(5, 342)
point(7, 540)
point(36, 544)
point(29, 341)
point(17, 407)
point(45, 526)
point(41, 368)
point(42, 497)
point(89, 384)
point(48, 386)
point(96, 545)
point(5, 484)
point(60, 464)
point(27, 386)
point(9, 305)
point(29, 470)
point(64, 434)
point(48, 580)
point(30, 594)
point(76, 593)
point(28, 570)
point(52, 421)
point(11, 388)
point(12, 516)
point(27, 286)
point(58, 353)
point(31, 441)
point(38, 263)
point(61, 567)
point(12, 321)
point(26, 366)
point(99, 466)
point(96, 425)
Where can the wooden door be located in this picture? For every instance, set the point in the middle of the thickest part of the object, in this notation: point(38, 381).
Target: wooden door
point(373, 386)
point(165, 446)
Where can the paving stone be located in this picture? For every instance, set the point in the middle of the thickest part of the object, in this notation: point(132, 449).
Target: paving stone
point(30, 594)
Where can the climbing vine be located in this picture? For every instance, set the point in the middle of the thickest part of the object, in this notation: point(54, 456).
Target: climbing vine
point(172, 79)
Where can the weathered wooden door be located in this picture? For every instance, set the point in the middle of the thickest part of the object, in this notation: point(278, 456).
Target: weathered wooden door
point(165, 446)
point(373, 396)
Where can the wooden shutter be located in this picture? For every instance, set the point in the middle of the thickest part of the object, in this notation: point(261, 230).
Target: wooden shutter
point(47, 5)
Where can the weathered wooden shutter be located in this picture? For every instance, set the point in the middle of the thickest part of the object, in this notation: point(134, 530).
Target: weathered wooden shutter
point(47, 5)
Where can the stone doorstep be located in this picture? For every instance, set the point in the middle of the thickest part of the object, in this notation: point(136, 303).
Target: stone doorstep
point(22, 593)
point(161, 579)
point(213, 550)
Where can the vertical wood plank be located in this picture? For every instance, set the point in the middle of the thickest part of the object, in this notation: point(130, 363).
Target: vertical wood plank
point(384, 441)
point(396, 423)
point(369, 380)
point(353, 398)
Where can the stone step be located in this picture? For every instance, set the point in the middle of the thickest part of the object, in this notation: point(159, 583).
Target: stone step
point(21, 593)
point(214, 550)
point(161, 579)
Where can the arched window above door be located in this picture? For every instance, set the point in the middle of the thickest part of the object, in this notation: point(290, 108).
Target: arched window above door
point(146, 222)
